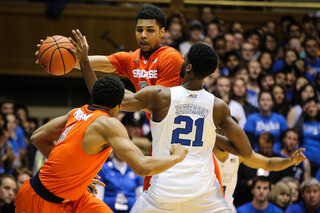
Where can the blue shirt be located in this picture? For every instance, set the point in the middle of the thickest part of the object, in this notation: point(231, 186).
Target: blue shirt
point(278, 66)
point(118, 184)
point(315, 66)
point(298, 208)
point(311, 141)
point(275, 124)
point(248, 208)
point(20, 137)
point(252, 98)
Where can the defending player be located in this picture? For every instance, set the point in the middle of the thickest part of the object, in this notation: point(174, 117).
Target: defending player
point(88, 136)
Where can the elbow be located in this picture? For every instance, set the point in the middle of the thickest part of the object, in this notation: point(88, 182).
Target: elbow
point(246, 153)
point(34, 140)
point(143, 172)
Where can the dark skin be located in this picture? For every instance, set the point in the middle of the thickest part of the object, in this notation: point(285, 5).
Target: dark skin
point(157, 100)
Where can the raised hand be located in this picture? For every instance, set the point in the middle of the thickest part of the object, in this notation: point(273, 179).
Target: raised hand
point(36, 53)
point(81, 45)
point(95, 181)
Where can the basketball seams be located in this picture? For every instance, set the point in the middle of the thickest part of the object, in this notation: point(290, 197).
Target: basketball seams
point(58, 48)
point(48, 42)
point(69, 52)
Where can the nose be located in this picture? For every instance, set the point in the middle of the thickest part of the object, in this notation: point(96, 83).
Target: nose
point(143, 34)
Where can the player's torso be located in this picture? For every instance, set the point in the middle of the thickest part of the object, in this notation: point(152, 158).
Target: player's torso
point(69, 169)
point(146, 72)
point(189, 122)
point(229, 175)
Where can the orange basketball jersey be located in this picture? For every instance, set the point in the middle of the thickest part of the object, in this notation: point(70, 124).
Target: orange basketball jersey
point(69, 170)
point(161, 68)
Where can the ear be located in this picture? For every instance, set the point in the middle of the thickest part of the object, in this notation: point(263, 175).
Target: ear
point(189, 68)
point(162, 31)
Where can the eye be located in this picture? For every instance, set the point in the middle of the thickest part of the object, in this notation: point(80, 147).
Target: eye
point(150, 30)
point(139, 30)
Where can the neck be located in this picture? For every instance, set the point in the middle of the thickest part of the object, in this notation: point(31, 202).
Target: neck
point(286, 152)
point(102, 108)
point(260, 205)
point(147, 54)
point(240, 99)
point(265, 113)
point(193, 84)
point(312, 209)
point(311, 58)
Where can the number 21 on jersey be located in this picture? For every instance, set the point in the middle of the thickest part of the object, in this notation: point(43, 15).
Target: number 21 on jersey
point(190, 125)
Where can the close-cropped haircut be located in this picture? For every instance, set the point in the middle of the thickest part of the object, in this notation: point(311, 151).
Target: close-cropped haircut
point(261, 179)
point(266, 137)
point(203, 58)
point(108, 91)
point(152, 12)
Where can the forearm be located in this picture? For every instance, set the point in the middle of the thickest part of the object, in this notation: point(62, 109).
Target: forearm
point(223, 143)
point(278, 164)
point(88, 73)
point(99, 63)
point(154, 166)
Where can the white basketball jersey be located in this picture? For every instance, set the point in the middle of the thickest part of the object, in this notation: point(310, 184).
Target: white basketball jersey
point(189, 122)
point(229, 176)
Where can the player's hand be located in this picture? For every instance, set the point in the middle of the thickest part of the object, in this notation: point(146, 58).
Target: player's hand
point(179, 151)
point(93, 182)
point(36, 53)
point(81, 45)
point(297, 157)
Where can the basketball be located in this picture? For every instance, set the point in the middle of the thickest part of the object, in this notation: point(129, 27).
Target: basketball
point(54, 56)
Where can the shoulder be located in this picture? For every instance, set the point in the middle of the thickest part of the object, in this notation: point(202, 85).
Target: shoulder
point(253, 116)
point(275, 208)
point(169, 53)
point(108, 125)
point(244, 208)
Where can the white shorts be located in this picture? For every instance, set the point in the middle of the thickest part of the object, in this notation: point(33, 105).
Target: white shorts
point(210, 202)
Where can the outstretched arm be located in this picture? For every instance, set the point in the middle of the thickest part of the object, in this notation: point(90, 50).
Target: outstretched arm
point(99, 63)
point(118, 138)
point(45, 137)
point(257, 161)
point(234, 133)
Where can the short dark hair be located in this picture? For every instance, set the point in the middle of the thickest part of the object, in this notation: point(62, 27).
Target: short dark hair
point(152, 12)
point(3, 176)
point(267, 137)
point(265, 91)
point(108, 91)
point(261, 179)
point(284, 134)
point(308, 39)
point(203, 58)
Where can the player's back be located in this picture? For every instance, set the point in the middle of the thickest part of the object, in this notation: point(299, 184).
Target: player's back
point(69, 169)
point(189, 121)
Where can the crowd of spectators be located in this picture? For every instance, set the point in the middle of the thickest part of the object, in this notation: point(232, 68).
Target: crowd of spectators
point(271, 84)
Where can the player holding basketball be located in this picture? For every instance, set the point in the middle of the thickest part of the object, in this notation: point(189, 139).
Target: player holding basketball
point(88, 136)
point(187, 115)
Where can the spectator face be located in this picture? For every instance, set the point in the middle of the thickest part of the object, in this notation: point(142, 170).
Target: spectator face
point(243, 74)
point(283, 198)
point(260, 191)
point(208, 41)
point(266, 61)
point(311, 196)
point(265, 102)
point(255, 41)
point(223, 85)
point(271, 27)
point(247, 51)
point(238, 40)
point(291, 141)
point(265, 148)
point(254, 69)
point(237, 27)
point(176, 31)
point(7, 108)
point(134, 130)
point(270, 43)
point(232, 62)
point(294, 191)
point(301, 81)
point(290, 57)
point(280, 79)
point(220, 48)
point(213, 30)
point(294, 44)
point(301, 65)
point(7, 190)
point(267, 82)
point(312, 109)
point(291, 79)
point(21, 179)
point(308, 92)
point(278, 94)
point(239, 88)
point(311, 48)
point(229, 42)
point(207, 15)
point(12, 122)
point(309, 27)
point(148, 34)
point(195, 35)
point(294, 31)
point(166, 39)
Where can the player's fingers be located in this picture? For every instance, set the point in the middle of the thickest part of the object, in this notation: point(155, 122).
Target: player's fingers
point(36, 53)
point(41, 40)
point(38, 45)
point(37, 61)
point(92, 186)
point(79, 33)
point(97, 176)
point(98, 182)
point(75, 35)
point(73, 43)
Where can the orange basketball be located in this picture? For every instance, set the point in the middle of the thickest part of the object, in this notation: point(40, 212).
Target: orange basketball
point(54, 56)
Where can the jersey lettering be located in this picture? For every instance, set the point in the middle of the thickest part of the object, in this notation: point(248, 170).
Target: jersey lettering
point(145, 74)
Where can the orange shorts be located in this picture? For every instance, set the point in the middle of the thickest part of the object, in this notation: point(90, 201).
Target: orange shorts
point(28, 201)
